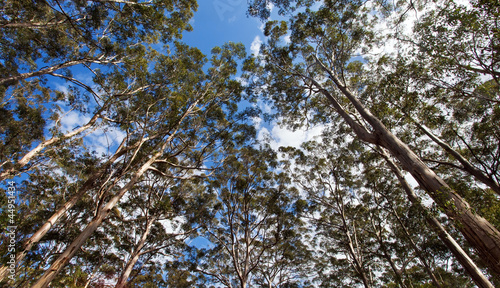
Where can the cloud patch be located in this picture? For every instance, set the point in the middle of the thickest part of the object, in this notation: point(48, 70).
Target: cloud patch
point(255, 46)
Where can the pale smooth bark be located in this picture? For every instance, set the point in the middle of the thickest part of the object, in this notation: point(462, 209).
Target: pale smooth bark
point(477, 276)
point(358, 265)
point(104, 211)
point(39, 25)
point(89, 184)
point(39, 148)
point(466, 165)
point(480, 234)
point(134, 257)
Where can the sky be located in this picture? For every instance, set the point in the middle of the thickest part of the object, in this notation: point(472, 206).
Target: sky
point(215, 23)
point(219, 21)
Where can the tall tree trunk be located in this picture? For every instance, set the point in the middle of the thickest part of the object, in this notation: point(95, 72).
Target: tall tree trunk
point(397, 273)
point(466, 165)
point(134, 257)
point(480, 234)
point(12, 171)
point(462, 257)
point(102, 213)
point(417, 250)
point(35, 151)
point(358, 265)
point(89, 184)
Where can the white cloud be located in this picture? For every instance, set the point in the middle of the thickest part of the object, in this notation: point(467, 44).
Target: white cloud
point(286, 137)
point(287, 39)
point(72, 120)
point(257, 122)
point(102, 139)
point(243, 81)
point(263, 106)
point(283, 137)
point(62, 88)
point(270, 6)
point(262, 26)
point(255, 46)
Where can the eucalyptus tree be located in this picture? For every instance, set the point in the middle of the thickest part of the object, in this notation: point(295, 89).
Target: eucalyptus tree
point(173, 127)
point(352, 204)
point(111, 40)
point(387, 187)
point(58, 34)
point(255, 232)
point(154, 222)
point(345, 252)
point(43, 40)
point(314, 76)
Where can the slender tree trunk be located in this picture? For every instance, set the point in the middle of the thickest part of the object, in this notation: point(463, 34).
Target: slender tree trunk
point(38, 235)
point(35, 151)
point(466, 165)
point(480, 234)
point(12, 79)
point(358, 265)
point(469, 265)
point(386, 255)
point(102, 213)
point(397, 273)
point(420, 256)
point(134, 257)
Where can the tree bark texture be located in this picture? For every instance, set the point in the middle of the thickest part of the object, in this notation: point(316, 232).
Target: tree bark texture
point(477, 276)
point(480, 234)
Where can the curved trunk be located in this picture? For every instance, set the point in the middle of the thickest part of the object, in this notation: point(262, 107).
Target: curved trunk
point(134, 257)
point(469, 265)
point(480, 234)
point(102, 213)
point(35, 151)
point(38, 235)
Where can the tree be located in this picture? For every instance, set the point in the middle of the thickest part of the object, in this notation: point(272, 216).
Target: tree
point(180, 122)
point(255, 230)
point(352, 204)
point(155, 223)
point(57, 36)
point(317, 68)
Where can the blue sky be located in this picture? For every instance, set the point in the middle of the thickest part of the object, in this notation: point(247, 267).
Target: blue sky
point(219, 21)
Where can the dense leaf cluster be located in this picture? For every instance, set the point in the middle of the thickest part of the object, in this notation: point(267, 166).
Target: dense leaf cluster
point(135, 165)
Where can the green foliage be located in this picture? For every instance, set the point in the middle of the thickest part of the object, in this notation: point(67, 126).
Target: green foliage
point(327, 214)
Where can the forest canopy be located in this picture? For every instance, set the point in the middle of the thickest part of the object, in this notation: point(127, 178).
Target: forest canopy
point(158, 170)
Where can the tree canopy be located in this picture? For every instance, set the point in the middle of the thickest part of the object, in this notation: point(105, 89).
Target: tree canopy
point(401, 187)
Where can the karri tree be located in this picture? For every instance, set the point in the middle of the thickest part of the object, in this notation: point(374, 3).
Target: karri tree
point(315, 76)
